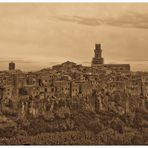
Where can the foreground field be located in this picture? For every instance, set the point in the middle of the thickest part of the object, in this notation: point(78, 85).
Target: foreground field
point(106, 137)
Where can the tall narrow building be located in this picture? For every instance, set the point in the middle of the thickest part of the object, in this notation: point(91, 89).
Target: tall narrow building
point(97, 59)
point(11, 66)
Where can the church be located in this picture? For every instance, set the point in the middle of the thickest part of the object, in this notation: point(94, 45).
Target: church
point(98, 63)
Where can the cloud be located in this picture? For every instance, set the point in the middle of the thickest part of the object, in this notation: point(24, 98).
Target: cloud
point(80, 20)
point(128, 20)
point(137, 60)
point(17, 60)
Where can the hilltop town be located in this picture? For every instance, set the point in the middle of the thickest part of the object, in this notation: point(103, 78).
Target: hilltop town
point(70, 97)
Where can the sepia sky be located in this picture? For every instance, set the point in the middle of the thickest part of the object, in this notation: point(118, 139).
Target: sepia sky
point(37, 36)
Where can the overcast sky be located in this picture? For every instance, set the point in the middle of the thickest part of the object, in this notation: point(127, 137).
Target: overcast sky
point(40, 35)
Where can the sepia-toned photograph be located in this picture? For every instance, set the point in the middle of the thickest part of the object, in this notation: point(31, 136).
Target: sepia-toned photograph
point(74, 74)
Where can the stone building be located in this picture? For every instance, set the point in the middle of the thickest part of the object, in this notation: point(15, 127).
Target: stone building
point(98, 63)
point(62, 88)
point(11, 66)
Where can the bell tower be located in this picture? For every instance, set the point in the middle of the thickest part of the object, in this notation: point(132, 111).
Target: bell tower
point(97, 59)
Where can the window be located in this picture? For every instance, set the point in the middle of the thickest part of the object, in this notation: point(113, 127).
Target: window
point(52, 90)
point(45, 89)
